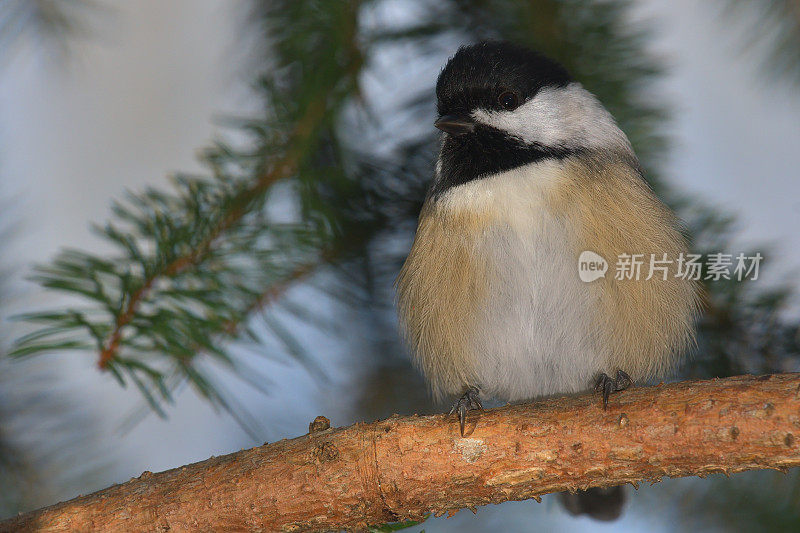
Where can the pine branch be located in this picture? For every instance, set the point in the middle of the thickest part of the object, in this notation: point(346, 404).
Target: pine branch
point(194, 263)
point(405, 467)
point(277, 289)
point(282, 169)
point(774, 29)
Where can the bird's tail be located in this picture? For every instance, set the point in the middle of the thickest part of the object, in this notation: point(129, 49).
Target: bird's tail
point(599, 503)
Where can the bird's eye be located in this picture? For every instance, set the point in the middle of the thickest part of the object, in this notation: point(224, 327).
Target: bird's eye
point(508, 100)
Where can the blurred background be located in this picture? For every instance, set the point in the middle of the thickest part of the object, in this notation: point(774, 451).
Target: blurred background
point(204, 204)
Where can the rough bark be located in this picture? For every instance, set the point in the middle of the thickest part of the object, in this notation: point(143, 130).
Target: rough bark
point(405, 467)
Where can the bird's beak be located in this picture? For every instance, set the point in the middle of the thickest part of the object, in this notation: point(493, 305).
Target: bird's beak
point(455, 125)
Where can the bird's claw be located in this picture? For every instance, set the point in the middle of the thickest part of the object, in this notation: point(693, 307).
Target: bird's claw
point(604, 383)
point(468, 402)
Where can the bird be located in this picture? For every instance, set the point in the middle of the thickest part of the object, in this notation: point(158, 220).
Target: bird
point(533, 173)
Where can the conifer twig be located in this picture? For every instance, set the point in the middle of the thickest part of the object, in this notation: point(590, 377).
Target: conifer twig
point(282, 169)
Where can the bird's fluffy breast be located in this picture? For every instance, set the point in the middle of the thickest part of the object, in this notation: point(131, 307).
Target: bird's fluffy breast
point(490, 293)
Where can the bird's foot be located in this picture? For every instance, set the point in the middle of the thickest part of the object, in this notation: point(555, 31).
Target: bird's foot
point(470, 401)
point(607, 385)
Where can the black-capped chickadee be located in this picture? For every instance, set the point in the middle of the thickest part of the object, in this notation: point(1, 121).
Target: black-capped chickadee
point(533, 176)
point(534, 172)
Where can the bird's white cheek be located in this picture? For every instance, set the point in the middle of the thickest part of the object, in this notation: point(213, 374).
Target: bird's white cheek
point(567, 117)
point(539, 120)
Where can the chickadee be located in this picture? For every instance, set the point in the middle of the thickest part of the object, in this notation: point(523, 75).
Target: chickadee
point(532, 172)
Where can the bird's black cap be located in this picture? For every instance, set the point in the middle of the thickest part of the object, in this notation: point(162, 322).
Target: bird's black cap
point(477, 74)
point(492, 75)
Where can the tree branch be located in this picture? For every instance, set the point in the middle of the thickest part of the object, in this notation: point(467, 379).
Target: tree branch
point(404, 467)
point(278, 170)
